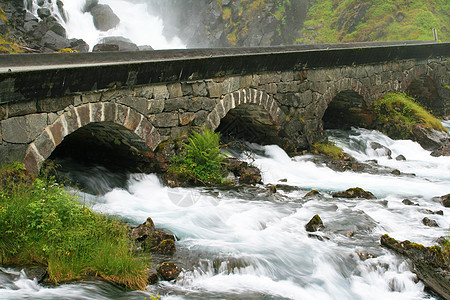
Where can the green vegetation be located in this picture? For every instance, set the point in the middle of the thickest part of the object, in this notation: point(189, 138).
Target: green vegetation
point(202, 160)
point(403, 109)
point(42, 224)
point(330, 21)
point(6, 44)
point(328, 149)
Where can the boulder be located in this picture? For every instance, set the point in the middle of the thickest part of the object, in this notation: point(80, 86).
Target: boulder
point(380, 149)
point(166, 247)
point(36, 273)
point(105, 48)
point(315, 224)
point(155, 238)
point(446, 200)
point(104, 17)
point(54, 41)
point(354, 193)
point(428, 263)
point(44, 13)
point(79, 45)
point(313, 193)
point(143, 231)
point(152, 276)
point(430, 223)
point(124, 44)
point(428, 138)
point(169, 271)
point(409, 202)
point(89, 5)
point(247, 174)
point(400, 158)
point(442, 151)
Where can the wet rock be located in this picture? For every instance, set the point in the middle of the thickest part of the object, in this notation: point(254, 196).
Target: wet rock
point(428, 263)
point(104, 17)
point(349, 233)
point(446, 200)
point(105, 48)
point(321, 238)
point(429, 138)
point(430, 223)
point(79, 45)
point(315, 224)
point(247, 174)
point(442, 151)
point(143, 231)
point(354, 193)
point(166, 247)
point(345, 165)
point(313, 193)
point(381, 149)
point(152, 276)
point(400, 157)
point(396, 172)
point(44, 13)
point(154, 239)
point(54, 42)
point(409, 202)
point(123, 44)
point(89, 5)
point(36, 273)
point(365, 255)
point(169, 271)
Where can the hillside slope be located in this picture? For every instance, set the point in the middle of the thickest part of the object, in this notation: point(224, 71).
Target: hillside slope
point(333, 21)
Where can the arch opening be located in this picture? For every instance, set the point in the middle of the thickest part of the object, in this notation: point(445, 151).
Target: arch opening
point(424, 90)
point(103, 147)
point(346, 110)
point(251, 123)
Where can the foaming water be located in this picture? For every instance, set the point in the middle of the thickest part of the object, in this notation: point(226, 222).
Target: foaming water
point(136, 23)
point(251, 243)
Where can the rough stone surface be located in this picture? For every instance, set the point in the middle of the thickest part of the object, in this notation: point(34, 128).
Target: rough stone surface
point(354, 193)
point(315, 224)
point(104, 17)
point(169, 271)
point(22, 130)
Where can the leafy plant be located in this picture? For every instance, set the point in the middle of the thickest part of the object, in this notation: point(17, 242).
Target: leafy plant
point(203, 160)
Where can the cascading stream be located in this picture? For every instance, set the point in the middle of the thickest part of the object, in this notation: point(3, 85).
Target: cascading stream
point(251, 243)
point(136, 23)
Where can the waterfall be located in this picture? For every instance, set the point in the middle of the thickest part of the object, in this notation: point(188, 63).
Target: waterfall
point(136, 22)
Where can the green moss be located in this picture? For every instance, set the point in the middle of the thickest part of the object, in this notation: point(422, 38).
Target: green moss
point(329, 149)
point(403, 108)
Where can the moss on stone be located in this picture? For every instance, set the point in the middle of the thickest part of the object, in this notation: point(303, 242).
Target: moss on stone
point(328, 149)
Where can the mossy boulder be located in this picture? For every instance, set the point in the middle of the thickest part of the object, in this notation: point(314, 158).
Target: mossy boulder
point(169, 271)
point(315, 224)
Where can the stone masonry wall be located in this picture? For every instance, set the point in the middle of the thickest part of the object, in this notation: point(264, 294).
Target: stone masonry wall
point(296, 100)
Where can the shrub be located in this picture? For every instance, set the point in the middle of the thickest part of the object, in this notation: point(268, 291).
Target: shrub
point(41, 223)
point(202, 160)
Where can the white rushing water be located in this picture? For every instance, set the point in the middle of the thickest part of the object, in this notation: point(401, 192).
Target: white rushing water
point(136, 23)
point(249, 243)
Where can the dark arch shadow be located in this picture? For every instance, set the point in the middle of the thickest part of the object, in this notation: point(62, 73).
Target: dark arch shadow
point(347, 109)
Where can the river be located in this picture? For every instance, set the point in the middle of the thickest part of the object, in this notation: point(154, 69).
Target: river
point(249, 243)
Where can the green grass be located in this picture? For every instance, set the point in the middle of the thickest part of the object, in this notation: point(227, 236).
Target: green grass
point(202, 160)
point(383, 20)
point(403, 108)
point(42, 224)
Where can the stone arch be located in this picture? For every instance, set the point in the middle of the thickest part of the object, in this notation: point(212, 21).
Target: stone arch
point(244, 96)
point(81, 116)
point(250, 115)
point(429, 91)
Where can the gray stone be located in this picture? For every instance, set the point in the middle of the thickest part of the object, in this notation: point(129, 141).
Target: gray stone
point(176, 104)
point(140, 104)
point(10, 153)
point(164, 119)
point(44, 13)
point(230, 85)
point(174, 90)
point(187, 89)
point(160, 92)
point(44, 145)
point(215, 89)
point(54, 41)
point(122, 43)
point(54, 104)
point(200, 117)
point(21, 108)
point(79, 45)
point(199, 89)
point(155, 106)
point(104, 17)
point(245, 81)
point(3, 112)
point(22, 130)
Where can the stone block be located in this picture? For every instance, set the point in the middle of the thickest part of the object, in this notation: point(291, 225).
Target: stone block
point(96, 112)
point(51, 118)
point(270, 88)
point(122, 113)
point(93, 97)
point(71, 119)
point(10, 153)
point(138, 103)
point(186, 118)
point(245, 81)
point(164, 119)
point(287, 76)
point(22, 130)
point(272, 77)
point(32, 160)
point(175, 90)
point(44, 145)
point(133, 120)
point(215, 89)
point(194, 104)
point(84, 114)
point(54, 104)
point(177, 132)
point(155, 106)
point(199, 89)
point(176, 104)
point(230, 85)
point(146, 92)
point(57, 130)
point(3, 112)
point(21, 108)
point(200, 118)
point(187, 89)
point(160, 92)
point(288, 87)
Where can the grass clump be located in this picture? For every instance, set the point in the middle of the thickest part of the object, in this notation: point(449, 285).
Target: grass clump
point(42, 224)
point(402, 108)
point(328, 149)
point(202, 160)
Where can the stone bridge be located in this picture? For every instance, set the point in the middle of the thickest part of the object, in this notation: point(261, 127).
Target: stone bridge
point(131, 102)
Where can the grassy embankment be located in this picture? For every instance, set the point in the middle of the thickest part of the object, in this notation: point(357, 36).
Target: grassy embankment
point(330, 21)
point(42, 224)
point(402, 109)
